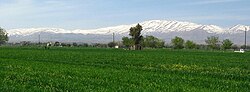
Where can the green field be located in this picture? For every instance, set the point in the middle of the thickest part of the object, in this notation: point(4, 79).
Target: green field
point(91, 69)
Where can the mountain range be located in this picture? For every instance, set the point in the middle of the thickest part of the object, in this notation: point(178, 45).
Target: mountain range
point(162, 29)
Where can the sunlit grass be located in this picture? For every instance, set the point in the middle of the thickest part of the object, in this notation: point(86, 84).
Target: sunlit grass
point(91, 69)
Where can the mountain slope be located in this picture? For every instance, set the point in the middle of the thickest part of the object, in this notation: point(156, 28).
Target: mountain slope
point(160, 28)
point(239, 29)
point(148, 26)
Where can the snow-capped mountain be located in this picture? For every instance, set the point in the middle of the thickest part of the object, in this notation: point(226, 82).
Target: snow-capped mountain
point(239, 29)
point(148, 26)
point(159, 28)
point(30, 31)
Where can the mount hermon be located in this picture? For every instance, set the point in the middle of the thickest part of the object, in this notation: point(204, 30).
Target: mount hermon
point(160, 28)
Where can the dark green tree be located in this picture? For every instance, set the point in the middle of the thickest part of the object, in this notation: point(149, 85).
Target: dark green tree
point(111, 44)
point(57, 43)
point(178, 43)
point(85, 45)
point(190, 44)
point(153, 42)
point(75, 44)
point(135, 33)
point(3, 36)
point(226, 44)
point(212, 42)
point(235, 47)
point(128, 42)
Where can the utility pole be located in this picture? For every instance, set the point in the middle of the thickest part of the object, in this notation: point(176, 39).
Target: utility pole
point(245, 38)
point(39, 39)
point(113, 37)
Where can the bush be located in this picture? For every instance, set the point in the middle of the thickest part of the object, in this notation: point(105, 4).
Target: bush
point(178, 43)
point(190, 45)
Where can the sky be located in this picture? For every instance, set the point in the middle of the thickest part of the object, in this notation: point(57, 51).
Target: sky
point(92, 14)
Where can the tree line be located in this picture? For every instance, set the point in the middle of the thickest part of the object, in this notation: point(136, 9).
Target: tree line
point(212, 42)
point(137, 39)
point(137, 42)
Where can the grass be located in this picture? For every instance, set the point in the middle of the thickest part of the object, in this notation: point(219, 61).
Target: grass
point(93, 69)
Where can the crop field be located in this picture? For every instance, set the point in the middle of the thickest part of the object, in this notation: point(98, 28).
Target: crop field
point(92, 69)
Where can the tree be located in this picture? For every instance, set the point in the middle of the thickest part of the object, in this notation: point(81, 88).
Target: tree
point(153, 42)
point(201, 46)
point(235, 47)
point(111, 44)
point(135, 32)
point(57, 43)
point(128, 42)
point(85, 45)
point(75, 44)
point(212, 42)
point(3, 36)
point(25, 43)
point(190, 44)
point(227, 44)
point(178, 43)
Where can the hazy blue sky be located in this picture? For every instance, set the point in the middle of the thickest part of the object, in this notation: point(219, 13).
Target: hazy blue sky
point(89, 14)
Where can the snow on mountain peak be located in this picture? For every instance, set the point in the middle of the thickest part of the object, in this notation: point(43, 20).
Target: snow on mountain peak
point(30, 31)
point(239, 28)
point(160, 26)
point(212, 28)
point(168, 26)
